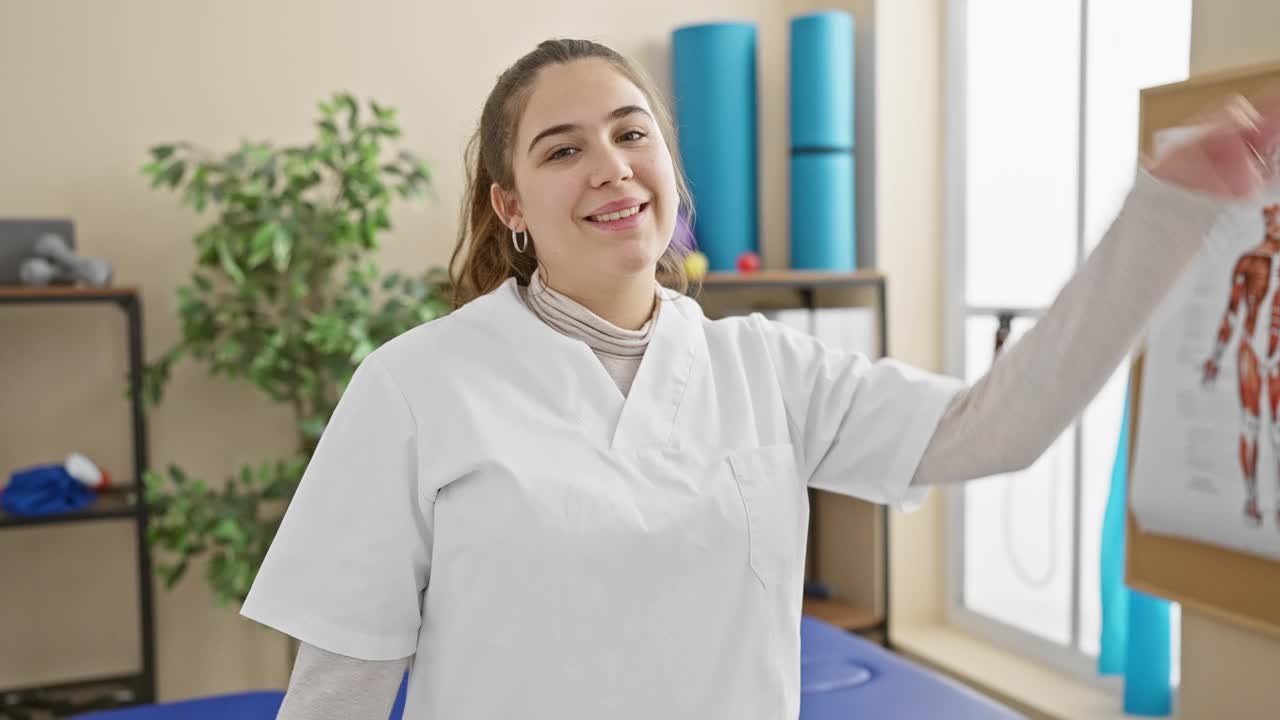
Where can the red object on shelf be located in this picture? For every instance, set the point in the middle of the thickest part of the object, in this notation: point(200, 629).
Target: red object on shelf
point(748, 262)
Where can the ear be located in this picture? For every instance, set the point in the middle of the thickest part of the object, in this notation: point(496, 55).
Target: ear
point(507, 206)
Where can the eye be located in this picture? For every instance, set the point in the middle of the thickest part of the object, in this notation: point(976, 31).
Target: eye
point(628, 136)
point(562, 153)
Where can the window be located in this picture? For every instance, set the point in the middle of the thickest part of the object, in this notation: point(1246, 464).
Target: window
point(1042, 140)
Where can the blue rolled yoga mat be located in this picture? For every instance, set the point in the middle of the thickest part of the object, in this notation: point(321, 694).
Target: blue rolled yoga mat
point(822, 103)
point(714, 69)
point(823, 164)
point(822, 211)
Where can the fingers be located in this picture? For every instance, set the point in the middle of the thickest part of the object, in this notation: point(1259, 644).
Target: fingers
point(1260, 127)
point(1240, 120)
point(1233, 151)
point(1235, 111)
point(1265, 139)
point(1267, 101)
point(1241, 114)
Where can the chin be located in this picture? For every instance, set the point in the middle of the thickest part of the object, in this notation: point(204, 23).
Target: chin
point(629, 266)
point(634, 259)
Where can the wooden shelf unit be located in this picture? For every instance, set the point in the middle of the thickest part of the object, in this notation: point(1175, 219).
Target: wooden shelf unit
point(839, 526)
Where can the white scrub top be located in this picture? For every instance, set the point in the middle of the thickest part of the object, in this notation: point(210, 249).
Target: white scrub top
point(486, 499)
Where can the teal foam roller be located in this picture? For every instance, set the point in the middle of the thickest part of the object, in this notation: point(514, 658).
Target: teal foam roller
point(714, 74)
point(823, 211)
point(822, 81)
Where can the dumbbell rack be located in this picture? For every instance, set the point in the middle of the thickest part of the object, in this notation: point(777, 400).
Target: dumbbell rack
point(123, 503)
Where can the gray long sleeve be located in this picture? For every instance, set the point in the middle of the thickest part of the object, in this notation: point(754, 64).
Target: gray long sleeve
point(328, 686)
point(1041, 383)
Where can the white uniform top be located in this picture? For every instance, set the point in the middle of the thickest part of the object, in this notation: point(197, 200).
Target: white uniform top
point(485, 498)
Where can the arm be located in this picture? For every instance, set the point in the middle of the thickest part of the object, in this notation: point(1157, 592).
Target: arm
point(1229, 321)
point(328, 686)
point(1273, 347)
point(1039, 385)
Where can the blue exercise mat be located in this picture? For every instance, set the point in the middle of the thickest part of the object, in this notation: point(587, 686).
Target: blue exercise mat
point(843, 676)
point(823, 164)
point(822, 85)
point(823, 212)
point(714, 71)
point(260, 705)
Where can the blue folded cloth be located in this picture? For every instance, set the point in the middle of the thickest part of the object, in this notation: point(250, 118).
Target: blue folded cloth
point(44, 490)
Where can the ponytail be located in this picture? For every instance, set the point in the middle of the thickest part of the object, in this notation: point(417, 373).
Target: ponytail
point(484, 255)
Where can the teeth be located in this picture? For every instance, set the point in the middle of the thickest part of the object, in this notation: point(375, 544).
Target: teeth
point(608, 217)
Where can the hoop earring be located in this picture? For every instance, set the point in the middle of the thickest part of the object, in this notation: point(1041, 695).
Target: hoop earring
point(520, 247)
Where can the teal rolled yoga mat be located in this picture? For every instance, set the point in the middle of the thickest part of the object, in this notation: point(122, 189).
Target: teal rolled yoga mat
point(714, 74)
point(822, 65)
point(823, 161)
point(822, 212)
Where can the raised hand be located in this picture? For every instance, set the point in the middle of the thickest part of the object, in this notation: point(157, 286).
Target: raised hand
point(1231, 156)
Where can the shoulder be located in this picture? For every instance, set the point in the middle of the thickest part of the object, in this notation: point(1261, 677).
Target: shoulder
point(469, 325)
point(1255, 258)
point(691, 312)
point(441, 350)
point(734, 334)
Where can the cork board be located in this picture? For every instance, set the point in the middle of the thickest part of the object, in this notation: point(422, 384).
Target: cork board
point(1231, 586)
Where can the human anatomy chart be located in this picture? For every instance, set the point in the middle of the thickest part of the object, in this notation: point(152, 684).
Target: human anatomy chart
point(1207, 458)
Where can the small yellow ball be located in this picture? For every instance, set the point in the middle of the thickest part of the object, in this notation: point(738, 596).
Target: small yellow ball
point(695, 265)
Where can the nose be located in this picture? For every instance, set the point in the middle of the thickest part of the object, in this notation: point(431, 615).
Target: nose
point(610, 165)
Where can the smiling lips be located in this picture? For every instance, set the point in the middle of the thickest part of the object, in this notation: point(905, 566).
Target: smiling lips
point(627, 212)
point(620, 215)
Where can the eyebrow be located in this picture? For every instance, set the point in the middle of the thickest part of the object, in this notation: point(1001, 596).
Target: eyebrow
point(618, 114)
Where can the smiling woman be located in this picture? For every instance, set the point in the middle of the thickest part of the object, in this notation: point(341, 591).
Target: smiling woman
point(595, 502)
point(574, 169)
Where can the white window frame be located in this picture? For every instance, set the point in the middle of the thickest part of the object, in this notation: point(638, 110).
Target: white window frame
point(1068, 658)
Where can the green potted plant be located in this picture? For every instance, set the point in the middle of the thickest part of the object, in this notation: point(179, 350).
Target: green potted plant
point(285, 296)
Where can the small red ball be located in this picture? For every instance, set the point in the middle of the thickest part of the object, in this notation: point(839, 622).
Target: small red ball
point(748, 262)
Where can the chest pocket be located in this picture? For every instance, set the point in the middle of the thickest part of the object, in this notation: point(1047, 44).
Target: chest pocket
point(777, 512)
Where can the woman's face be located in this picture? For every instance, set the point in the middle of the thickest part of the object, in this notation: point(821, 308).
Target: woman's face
point(594, 182)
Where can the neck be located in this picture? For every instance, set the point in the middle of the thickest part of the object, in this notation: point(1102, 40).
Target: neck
point(626, 303)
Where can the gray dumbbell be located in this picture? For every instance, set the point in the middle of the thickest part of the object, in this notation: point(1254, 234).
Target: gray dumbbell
point(39, 272)
point(91, 271)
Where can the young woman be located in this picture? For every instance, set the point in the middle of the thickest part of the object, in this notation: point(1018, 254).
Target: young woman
point(577, 498)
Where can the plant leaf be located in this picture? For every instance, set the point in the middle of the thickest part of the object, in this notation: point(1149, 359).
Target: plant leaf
point(284, 296)
point(228, 261)
point(312, 427)
point(281, 248)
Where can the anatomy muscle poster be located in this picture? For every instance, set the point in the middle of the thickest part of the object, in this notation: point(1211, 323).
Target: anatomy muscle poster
point(1207, 454)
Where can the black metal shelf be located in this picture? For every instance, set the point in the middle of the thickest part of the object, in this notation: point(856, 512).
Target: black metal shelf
point(114, 504)
point(75, 696)
point(108, 505)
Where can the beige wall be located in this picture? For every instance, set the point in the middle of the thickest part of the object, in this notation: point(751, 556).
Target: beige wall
point(909, 176)
point(1229, 33)
point(1227, 671)
point(88, 86)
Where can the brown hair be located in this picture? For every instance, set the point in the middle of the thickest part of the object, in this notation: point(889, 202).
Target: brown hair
point(484, 256)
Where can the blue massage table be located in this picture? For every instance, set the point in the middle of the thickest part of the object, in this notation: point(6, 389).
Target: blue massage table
point(842, 677)
point(258, 705)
